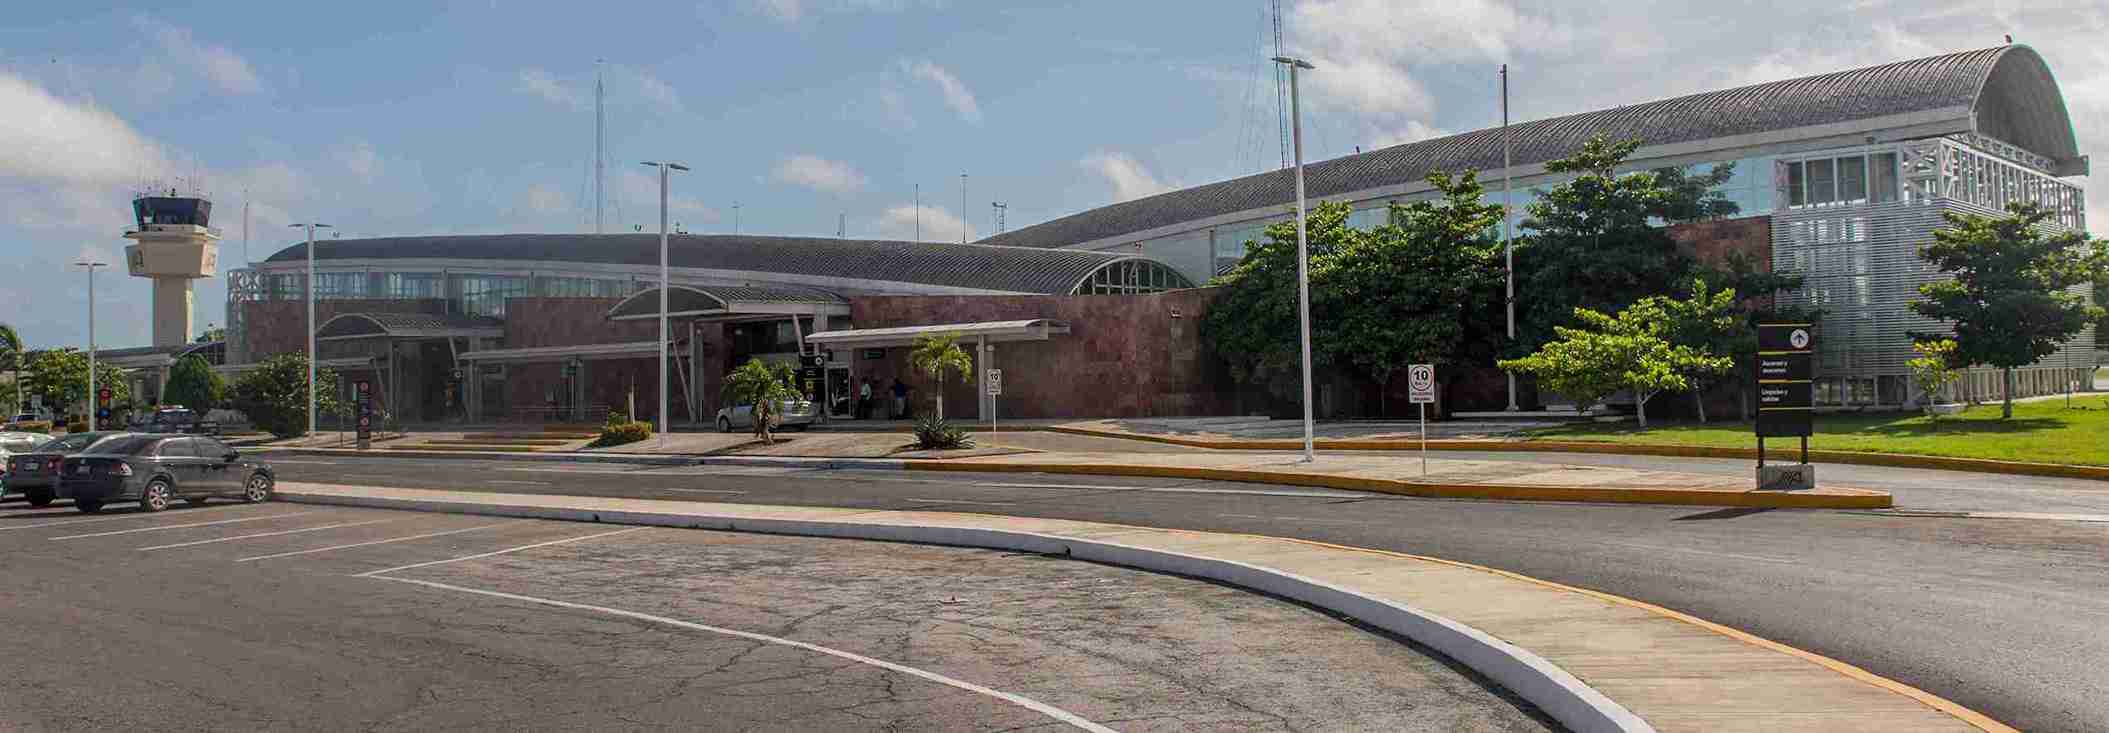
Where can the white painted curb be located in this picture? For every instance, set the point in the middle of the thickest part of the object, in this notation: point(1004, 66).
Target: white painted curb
point(1556, 692)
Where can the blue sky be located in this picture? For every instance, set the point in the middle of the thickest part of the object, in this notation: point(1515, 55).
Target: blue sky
point(472, 117)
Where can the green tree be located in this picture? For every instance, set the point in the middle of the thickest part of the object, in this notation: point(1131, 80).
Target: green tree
point(939, 355)
point(1593, 241)
point(2012, 296)
point(274, 394)
point(1933, 370)
point(1254, 324)
point(1756, 287)
point(764, 385)
point(192, 383)
point(1427, 289)
point(1630, 351)
point(212, 333)
point(60, 376)
point(11, 355)
point(1696, 196)
point(2101, 327)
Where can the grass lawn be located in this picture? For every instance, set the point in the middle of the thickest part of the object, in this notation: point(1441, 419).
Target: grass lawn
point(2041, 432)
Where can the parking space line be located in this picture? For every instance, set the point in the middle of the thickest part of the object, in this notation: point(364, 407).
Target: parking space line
point(516, 483)
point(700, 491)
point(1051, 711)
point(70, 521)
point(366, 544)
point(375, 573)
point(338, 525)
point(177, 526)
point(957, 501)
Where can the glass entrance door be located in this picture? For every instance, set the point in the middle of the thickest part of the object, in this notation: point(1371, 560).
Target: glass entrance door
point(842, 398)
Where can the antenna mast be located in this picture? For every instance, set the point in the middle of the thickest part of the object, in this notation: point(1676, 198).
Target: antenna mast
point(600, 124)
point(842, 225)
point(962, 208)
point(999, 208)
point(1281, 86)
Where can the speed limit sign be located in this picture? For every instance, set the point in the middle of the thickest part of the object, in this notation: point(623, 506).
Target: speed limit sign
point(1420, 383)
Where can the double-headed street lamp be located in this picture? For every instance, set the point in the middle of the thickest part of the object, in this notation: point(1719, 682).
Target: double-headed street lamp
point(1303, 254)
point(311, 227)
point(90, 266)
point(665, 331)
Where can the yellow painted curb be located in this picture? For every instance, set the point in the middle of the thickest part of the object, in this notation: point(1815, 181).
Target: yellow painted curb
point(1893, 460)
point(1860, 499)
point(1944, 705)
point(469, 448)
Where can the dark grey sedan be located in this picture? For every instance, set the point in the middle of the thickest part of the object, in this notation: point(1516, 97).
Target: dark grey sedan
point(36, 473)
point(155, 470)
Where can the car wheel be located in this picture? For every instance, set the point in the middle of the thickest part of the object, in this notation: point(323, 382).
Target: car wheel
point(156, 496)
point(88, 506)
point(724, 425)
point(39, 498)
point(258, 489)
point(198, 500)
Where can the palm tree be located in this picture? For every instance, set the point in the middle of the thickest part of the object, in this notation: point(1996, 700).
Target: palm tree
point(763, 385)
point(938, 354)
point(11, 354)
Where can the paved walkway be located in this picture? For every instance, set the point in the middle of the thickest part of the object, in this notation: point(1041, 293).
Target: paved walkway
point(1593, 661)
point(1262, 428)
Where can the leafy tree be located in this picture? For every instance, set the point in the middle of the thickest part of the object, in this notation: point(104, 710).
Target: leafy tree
point(939, 356)
point(1425, 290)
point(1696, 196)
point(1756, 286)
point(1254, 322)
point(1933, 370)
point(193, 384)
point(1709, 321)
point(2101, 327)
point(1593, 242)
point(274, 394)
point(1630, 351)
point(60, 376)
point(764, 385)
point(2011, 299)
point(11, 355)
point(211, 334)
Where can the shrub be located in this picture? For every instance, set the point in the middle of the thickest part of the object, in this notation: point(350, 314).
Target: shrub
point(274, 395)
point(193, 384)
point(935, 434)
point(79, 425)
point(33, 426)
point(622, 433)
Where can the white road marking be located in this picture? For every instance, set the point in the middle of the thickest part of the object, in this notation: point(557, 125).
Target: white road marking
point(71, 521)
point(1051, 711)
point(517, 483)
point(178, 526)
point(377, 573)
point(264, 534)
point(366, 544)
point(305, 463)
point(700, 491)
point(1305, 520)
point(958, 501)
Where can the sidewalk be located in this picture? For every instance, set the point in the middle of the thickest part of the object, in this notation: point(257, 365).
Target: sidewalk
point(1594, 662)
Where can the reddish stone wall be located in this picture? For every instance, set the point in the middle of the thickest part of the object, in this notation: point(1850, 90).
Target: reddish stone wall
point(1711, 241)
point(535, 322)
point(280, 326)
point(1125, 356)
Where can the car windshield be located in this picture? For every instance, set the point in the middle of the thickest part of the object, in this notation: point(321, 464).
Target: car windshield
point(70, 443)
point(124, 445)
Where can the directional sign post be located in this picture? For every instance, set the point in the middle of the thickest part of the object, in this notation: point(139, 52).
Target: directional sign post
point(1420, 387)
point(364, 391)
point(1785, 386)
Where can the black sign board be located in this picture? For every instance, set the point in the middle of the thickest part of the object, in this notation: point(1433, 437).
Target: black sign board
point(364, 390)
point(1785, 371)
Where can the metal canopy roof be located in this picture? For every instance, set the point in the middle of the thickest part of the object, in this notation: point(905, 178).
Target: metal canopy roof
point(407, 325)
point(583, 352)
point(972, 266)
point(1038, 329)
point(733, 300)
point(2005, 92)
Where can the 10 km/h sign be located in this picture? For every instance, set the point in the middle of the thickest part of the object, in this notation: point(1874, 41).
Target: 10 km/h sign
point(1420, 383)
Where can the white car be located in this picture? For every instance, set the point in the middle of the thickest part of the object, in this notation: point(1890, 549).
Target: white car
point(789, 414)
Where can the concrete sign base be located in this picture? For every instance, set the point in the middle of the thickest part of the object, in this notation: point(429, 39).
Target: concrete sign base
point(1786, 477)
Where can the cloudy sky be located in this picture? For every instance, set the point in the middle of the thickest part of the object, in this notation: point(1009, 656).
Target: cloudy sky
point(388, 118)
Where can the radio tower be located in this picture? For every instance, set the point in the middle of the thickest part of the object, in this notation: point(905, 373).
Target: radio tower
point(999, 207)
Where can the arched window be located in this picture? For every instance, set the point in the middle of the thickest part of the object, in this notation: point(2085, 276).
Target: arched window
point(1131, 276)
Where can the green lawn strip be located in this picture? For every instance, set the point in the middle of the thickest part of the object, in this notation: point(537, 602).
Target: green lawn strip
point(2040, 432)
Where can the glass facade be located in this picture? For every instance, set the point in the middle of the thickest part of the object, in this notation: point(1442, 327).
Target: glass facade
point(484, 295)
point(1132, 277)
point(583, 287)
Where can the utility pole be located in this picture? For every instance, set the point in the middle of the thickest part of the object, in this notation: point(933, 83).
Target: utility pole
point(1303, 255)
point(90, 266)
point(1508, 203)
point(600, 124)
point(999, 208)
point(311, 227)
point(665, 331)
point(1281, 88)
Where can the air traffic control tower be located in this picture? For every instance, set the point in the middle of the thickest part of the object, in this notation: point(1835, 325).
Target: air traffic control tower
point(173, 244)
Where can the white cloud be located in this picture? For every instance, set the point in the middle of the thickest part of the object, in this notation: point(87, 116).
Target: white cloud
point(360, 158)
point(218, 64)
point(1373, 55)
point(43, 137)
point(784, 11)
point(819, 174)
point(635, 194)
point(957, 96)
point(545, 85)
point(1129, 178)
point(542, 198)
point(653, 90)
point(937, 224)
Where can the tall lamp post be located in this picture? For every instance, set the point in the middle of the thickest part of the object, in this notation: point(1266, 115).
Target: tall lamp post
point(665, 331)
point(311, 227)
point(90, 266)
point(1303, 254)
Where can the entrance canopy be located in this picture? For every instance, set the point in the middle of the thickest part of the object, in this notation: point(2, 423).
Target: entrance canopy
point(583, 352)
point(1037, 329)
point(725, 302)
point(407, 325)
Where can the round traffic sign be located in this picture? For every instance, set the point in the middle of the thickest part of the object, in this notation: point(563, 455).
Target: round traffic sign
point(1421, 377)
point(1799, 338)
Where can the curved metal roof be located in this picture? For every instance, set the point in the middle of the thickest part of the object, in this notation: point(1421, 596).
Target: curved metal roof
point(407, 325)
point(2009, 89)
point(687, 300)
point(976, 266)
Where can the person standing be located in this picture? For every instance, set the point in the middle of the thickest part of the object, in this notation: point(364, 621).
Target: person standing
point(900, 399)
point(864, 400)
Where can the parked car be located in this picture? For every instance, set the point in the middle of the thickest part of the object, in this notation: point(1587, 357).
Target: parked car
point(17, 420)
point(177, 419)
point(35, 473)
point(789, 414)
point(155, 469)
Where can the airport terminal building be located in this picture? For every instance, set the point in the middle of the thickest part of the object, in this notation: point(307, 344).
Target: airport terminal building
point(1839, 178)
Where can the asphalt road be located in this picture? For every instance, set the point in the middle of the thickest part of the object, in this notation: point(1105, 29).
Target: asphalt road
point(2010, 617)
point(291, 617)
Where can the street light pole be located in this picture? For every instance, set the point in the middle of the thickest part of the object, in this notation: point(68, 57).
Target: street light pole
point(90, 265)
point(665, 330)
point(1303, 253)
point(311, 227)
point(1508, 203)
